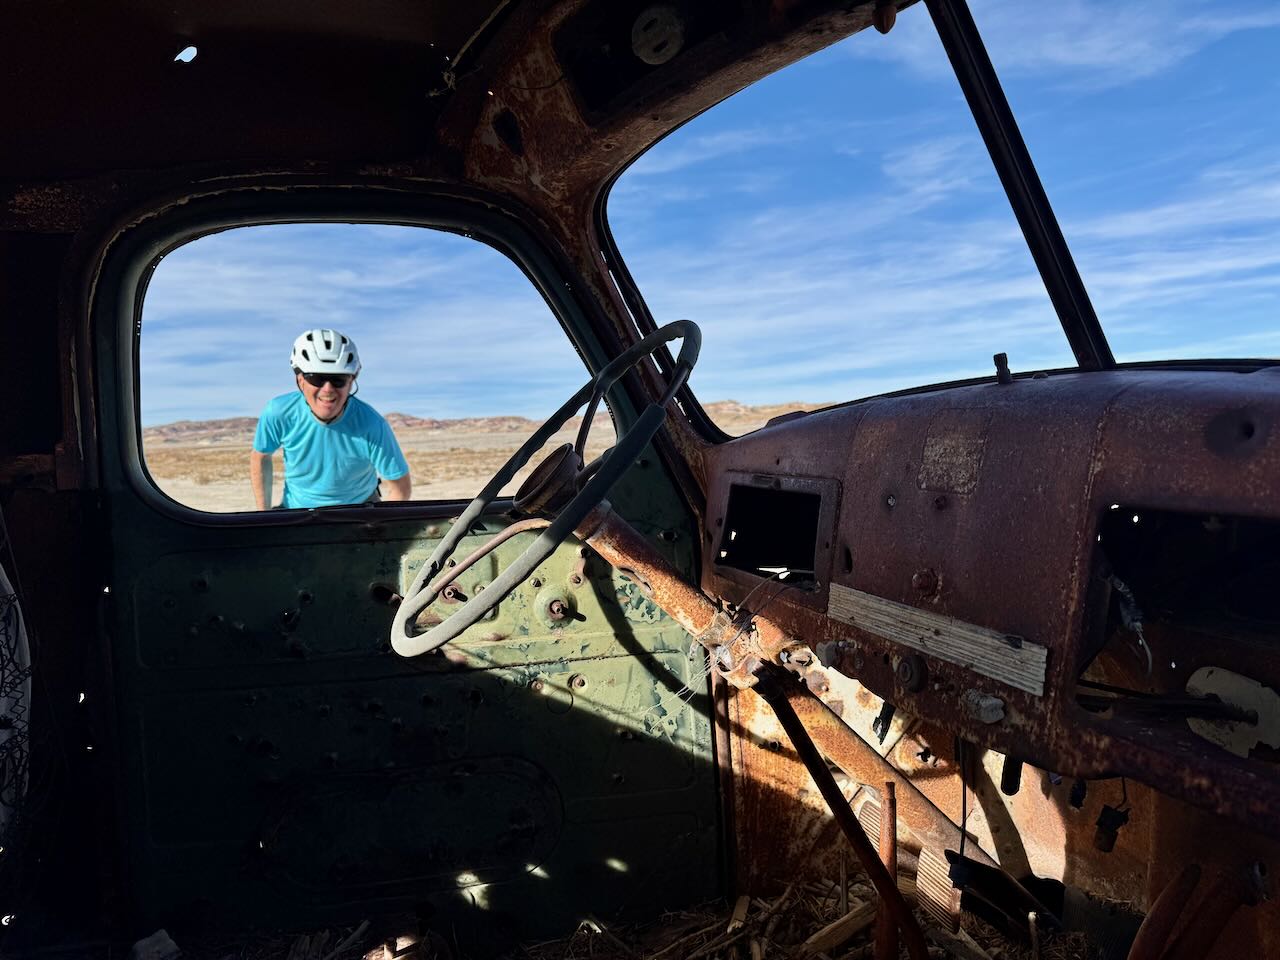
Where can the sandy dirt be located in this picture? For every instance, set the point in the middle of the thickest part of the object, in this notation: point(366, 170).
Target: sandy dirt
point(205, 464)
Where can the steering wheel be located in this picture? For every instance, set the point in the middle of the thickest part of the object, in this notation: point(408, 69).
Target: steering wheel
point(560, 485)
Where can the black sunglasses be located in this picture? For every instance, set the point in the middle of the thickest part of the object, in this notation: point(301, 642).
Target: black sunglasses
point(339, 380)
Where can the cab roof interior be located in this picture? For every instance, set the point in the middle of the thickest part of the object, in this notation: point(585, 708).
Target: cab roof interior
point(94, 89)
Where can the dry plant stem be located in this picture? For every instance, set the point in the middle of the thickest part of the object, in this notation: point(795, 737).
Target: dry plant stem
point(686, 939)
point(961, 945)
point(725, 939)
point(839, 932)
point(348, 942)
point(610, 935)
point(844, 884)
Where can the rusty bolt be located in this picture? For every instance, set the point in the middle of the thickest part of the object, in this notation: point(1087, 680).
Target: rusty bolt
point(578, 682)
point(925, 582)
point(537, 686)
point(576, 579)
point(912, 673)
point(557, 609)
point(452, 593)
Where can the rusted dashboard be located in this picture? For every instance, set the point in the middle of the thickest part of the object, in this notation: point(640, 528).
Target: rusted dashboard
point(1077, 570)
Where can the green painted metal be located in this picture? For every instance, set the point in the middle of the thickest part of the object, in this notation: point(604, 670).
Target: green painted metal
point(281, 767)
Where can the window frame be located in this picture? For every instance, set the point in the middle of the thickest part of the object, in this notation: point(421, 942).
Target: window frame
point(133, 254)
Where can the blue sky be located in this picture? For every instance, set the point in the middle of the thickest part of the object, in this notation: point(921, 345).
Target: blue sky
point(836, 229)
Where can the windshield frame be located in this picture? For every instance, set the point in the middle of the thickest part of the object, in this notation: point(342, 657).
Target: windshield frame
point(1016, 171)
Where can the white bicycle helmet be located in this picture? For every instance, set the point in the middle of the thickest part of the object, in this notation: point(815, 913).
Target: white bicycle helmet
point(325, 351)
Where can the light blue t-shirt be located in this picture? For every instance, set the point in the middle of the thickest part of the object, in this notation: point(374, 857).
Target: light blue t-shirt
point(327, 464)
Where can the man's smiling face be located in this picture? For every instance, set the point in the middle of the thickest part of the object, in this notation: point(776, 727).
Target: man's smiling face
point(327, 399)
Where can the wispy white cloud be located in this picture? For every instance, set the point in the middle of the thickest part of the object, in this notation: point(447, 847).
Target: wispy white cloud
point(1087, 43)
point(702, 149)
point(446, 326)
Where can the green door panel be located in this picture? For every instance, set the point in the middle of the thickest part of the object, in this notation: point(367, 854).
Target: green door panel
point(282, 768)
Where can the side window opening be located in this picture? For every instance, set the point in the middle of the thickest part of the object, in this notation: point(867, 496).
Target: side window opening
point(457, 359)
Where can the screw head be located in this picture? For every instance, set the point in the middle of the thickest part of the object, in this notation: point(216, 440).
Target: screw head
point(912, 672)
point(578, 682)
point(925, 581)
point(891, 501)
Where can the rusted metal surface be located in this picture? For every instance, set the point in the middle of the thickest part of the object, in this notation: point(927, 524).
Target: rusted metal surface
point(782, 692)
point(1180, 835)
point(929, 826)
point(741, 642)
point(1218, 901)
point(619, 544)
point(886, 941)
point(1164, 915)
point(738, 641)
point(1021, 499)
point(1037, 830)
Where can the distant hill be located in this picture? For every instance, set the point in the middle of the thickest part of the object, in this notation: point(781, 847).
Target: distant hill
point(730, 415)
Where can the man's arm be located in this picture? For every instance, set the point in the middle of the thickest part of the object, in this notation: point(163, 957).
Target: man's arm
point(398, 489)
point(260, 478)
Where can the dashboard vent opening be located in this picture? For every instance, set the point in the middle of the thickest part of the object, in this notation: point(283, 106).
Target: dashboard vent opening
point(771, 533)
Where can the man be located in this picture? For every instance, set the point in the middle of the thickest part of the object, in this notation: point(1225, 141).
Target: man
point(335, 446)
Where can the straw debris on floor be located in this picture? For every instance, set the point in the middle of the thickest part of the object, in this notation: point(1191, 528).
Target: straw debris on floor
point(806, 921)
point(810, 920)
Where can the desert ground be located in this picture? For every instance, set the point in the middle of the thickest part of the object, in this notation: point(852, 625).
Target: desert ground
point(205, 464)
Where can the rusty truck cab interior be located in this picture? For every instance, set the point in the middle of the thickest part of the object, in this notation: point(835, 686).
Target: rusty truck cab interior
point(1039, 604)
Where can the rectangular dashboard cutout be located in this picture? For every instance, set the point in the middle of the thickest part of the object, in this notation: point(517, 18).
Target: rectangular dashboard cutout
point(770, 531)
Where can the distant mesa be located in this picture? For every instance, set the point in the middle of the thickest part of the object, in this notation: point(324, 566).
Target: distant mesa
point(730, 415)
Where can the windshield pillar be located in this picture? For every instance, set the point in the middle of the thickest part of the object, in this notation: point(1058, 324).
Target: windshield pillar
point(981, 86)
